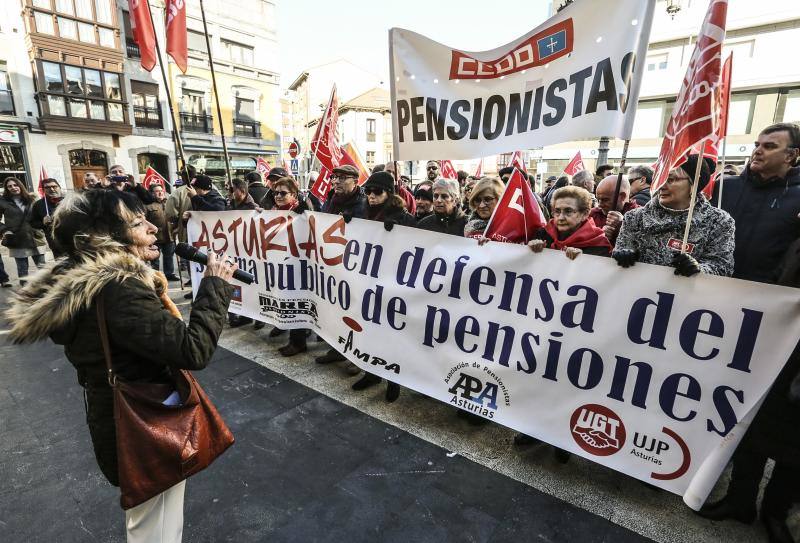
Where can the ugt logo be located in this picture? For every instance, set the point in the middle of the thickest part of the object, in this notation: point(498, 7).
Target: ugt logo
point(597, 429)
point(473, 389)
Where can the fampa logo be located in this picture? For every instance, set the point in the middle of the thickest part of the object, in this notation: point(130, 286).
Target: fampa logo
point(597, 430)
point(545, 46)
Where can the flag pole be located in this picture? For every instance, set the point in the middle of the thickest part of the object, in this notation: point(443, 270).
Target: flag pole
point(722, 172)
point(176, 138)
point(694, 197)
point(216, 96)
point(618, 188)
point(322, 123)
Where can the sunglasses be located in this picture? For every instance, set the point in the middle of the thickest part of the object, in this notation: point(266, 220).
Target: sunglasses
point(485, 200)
point(282, 193)
point(373, 190)
point(432, 168)
point(442, 197)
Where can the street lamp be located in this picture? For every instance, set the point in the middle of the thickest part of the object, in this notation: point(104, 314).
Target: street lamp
point(673, 7)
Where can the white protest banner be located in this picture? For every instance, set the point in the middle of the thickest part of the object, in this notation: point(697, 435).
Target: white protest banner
point(574, 77)
point(636, 369)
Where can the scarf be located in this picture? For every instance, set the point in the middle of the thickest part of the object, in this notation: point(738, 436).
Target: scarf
point(162, 289)
point(344, 200)
point(375, 213)
point(475, 227)
point(286, 207)
point(587, 235)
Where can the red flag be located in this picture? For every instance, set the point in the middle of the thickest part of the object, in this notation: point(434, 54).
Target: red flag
point(517, 216)
point(42, 176)
point(575, 165)
point(262, 167)
point(518, 161)
point(325, 143)
point(151, 176)
point(142, 26)
point(694, 116)
point(479, 171)
point(176, 33)
point(711, 147)
point(447, 169)
point(350, 156)
point(322, 186)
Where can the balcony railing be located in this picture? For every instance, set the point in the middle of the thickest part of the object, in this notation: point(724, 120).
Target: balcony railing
point(6, 102)
point(193, 122)
point(248, 128)
point(147, 117)
point(132, 49)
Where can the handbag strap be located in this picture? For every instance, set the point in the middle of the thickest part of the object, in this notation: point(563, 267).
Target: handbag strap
point(101, 323)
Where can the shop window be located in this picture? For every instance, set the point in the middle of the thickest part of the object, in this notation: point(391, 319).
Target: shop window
point(6, 97)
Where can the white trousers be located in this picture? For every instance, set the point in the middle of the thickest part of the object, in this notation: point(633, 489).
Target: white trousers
point(159, 519)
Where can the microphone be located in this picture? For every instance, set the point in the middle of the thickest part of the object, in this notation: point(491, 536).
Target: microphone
point(187, 252)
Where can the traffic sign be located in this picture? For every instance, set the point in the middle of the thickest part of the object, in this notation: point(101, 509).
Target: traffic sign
point(294, 149)
point(295, 167)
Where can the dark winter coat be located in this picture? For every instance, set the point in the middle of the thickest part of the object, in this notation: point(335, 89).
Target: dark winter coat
point(17, 221)
point(766, 221)
point(452, 224)
point(146, 339)
point(157, 215)
point(248, 205)
point(211, 201)
point(354, 204)
point(38, 213)
point(642, 197)
point(650, 229)
point(262, 195)
point(774, 429)
point(393, 211)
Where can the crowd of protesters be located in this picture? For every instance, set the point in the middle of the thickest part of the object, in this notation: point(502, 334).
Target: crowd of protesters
point(752, 234)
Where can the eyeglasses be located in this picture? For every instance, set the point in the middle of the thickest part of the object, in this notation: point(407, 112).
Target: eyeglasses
point(432, 167)
point(486, 200)
point(566, 212)
point(282, 193)
point(673, 179)
point(442, 197)
point(377, 191)
point(341, 178)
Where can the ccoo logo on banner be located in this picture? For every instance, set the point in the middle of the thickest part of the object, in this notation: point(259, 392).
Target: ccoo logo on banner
point(636, 369)
point(576, 76)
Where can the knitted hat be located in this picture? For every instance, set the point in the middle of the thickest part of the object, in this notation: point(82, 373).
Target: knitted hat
point(202, 182)
point(424, 193)
point(690, 167)
point(381, 180)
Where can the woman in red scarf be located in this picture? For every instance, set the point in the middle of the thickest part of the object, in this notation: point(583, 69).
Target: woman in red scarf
point(285, 191)
point(570, 230)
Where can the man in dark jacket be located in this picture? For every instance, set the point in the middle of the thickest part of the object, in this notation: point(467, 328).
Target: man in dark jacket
point(204, 196)
point(348, 200)
point(608, 214)
point(424, 199)
point(42, 213)
point(156, 215)
point(640, 178)
point(447, 218)
point(765, 201)
point(256, 187)
point(241, 199)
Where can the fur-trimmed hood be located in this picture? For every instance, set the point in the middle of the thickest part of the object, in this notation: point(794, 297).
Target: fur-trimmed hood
point(54, 296)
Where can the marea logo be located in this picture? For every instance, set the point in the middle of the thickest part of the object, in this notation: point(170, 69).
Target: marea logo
point(473, 394)
point(597, 430)
point(286, 309)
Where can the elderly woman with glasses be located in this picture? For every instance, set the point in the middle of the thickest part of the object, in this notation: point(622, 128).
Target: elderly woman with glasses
point(654, 233)
point(571, 230)
point(482, 201)
point(447, 218)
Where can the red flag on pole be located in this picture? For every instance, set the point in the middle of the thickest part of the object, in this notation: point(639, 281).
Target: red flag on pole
point(322, 186)
point(176, 33)
point(517, 216)
point(142, 26)
point(42, 176)
point(575, 165)
point(325, 143)
point(694, 116)
point(723, 91)
point(350, 156)
point(262, 167)
point(518, 161)
point(447, 169)
point(151, 176)
point(479, 171)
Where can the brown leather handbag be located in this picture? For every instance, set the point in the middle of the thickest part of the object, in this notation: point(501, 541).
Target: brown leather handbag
point(158, 445)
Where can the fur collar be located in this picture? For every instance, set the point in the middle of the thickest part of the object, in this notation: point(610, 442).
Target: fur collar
point(55, 295)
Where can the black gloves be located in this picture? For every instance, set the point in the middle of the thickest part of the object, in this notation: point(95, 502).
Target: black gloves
point(347, 217)
point(388, 225)
point(625, 257)
point(685, 264)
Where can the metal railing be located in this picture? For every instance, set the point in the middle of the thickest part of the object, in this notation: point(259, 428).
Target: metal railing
point(132, 49)
point(246, 127)
point(147, 117)
point(193, 122)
